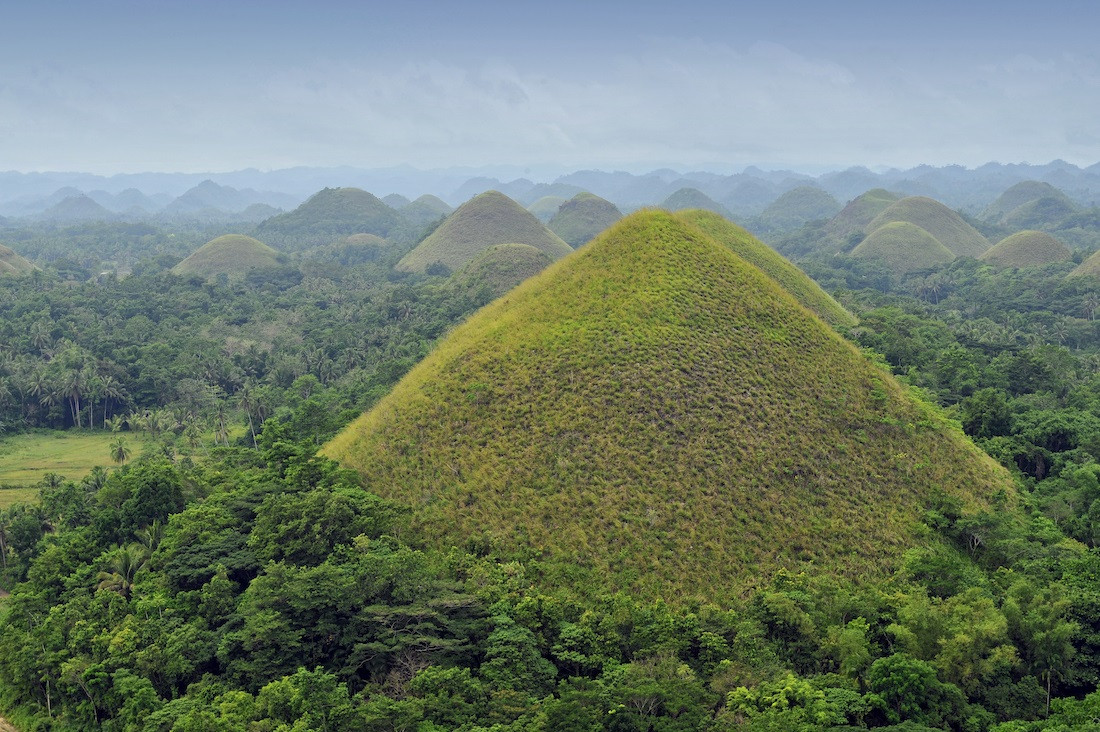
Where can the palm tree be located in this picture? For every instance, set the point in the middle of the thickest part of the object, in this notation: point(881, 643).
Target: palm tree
point(120, 451)
point(124, 565)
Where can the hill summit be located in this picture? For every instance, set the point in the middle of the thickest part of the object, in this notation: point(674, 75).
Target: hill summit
point(484, 221)
point(232, 254)
point(1027, 249)
point(582, 217)
point(903, 247)
point(945, 225)
point(657, 415)
point(330, 214)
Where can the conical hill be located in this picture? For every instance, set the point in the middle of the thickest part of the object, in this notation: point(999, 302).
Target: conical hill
point(233, 255)
point(1028, 248)
point(849, 225)
point(582, 217)
point(545, 207)
point(962, 239)
point(655, 414)
point(789, 277)
point(498, 269)
point(12, 263)
point(1020, 194)
point(426, 210)
point(1089, 268)
point(484, 221)
point(688, 198)
point(903, 247)
point(332, 213)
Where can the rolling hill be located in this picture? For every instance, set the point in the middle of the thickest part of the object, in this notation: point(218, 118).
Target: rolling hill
point(485, 220)
point(903, 247)
point(1089, 268)
point(688, 198)
point(655, 414)
point(1048, 212)
point(772, 263)
point(582, 217)
point(232, 254)
point(426, 210)
point(797, 207)
point(332, 213)
point(945, 225)
point(545, 208)
point(1027, 248)
point(851, 223)
point(1020, 194)
point(498, 269)
point(12, 263)
point(75, 209)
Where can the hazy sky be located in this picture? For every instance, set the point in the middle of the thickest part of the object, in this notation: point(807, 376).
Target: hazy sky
point(214, 86)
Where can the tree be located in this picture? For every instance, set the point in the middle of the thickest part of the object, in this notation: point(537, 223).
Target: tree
point(120, 451)
point(123, 565)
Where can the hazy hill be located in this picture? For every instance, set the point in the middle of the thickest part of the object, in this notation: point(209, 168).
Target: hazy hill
point(483, 221)
point(233, 255)
point(851, 223)
point(1048, 212)
point(772, 263)
point(74, 209)
point(687, 198)
point(797, 207)
point(655, 414)
point(12, 263)
point(396, 201)
point(1027, 248)
point(426, 210)
point(351, 250)
point(903, 247)
point(1019, 194)
point(582, 217)
point(545, 208)
point(1089, 268)
point(498, 269)
point(332, 213)
point(962, 239)
point(209, 195)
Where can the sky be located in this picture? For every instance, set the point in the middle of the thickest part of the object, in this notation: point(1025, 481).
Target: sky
point(116, 86)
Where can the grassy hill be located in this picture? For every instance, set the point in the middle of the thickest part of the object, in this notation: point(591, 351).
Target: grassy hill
point(1027, 249)
point(1020, 194)
point(688, 198)
point(545, 208)
point(797, 207)
point(484, 221)
point(789, 277)
point(1048, 212)
point(852, 221)
point(962, 239)
point(74, 209)
point(498, 269)
point(426, 210)
point(582, 217)
point(903, 247)
point(232, 254)
point(12, 263)
point(655, 414)
point(351, 250)
point(395, 201)
point(1089, 268)
point(329, 214)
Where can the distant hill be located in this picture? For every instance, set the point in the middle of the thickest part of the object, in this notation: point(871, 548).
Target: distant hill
point(798, 207)
point(654, 414)
point(1020, 194)
point(484, 221)
point(688, 198)
point(498, 269)
point(1089, 268)
point(851, 223)
point(426, 210)
point(233, 255)
point(13, 264)
point(582, 217)
point(545, 208)
point(75, 209)
point(903, 247)
point(960, 238)
point(208, 195)
point(1027, 248)
point(1048, 212)
point(772, 263)
point(351, 250)
point(332, 213)
point(256, 213)
point(396, 201)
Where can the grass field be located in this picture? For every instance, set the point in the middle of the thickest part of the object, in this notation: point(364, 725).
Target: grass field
point(26, 458)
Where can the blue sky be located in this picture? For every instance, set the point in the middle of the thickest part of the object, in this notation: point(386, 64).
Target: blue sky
point(201, 86)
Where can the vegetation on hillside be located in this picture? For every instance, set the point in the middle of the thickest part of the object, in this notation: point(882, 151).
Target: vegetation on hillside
point(903, 247)
point(328, 215)
point(497, 270)
point(12, 263)
point(689, 198)
point(582, 217)
point(545, 207)
point(231, 255)
point(1027, 248)
point(945, 225)
point(795, 208)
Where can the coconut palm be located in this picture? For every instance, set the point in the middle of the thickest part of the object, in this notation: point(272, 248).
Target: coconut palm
point(120, 451)
point(122, 568)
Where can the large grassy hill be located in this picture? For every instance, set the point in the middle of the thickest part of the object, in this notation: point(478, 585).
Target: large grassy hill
point(655, 414)
point(12, 263)
point(582, 217)
point(1048, 212)
point(791, 278)
point(851, 222)
point(798, 206)
point(498, 269)
point(232, 254)
point(330, 214)
point(962, 239)
point(484, 221)
point(903, 247)
point(1027, 249)
point(1020, 194)
point(688, 198)
point(426, 210)
point(1089, 268)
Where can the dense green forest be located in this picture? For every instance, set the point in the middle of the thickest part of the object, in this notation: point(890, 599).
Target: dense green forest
point(250, 584)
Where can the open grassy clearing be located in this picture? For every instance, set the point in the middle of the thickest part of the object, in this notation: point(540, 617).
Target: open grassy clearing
point(26, 458)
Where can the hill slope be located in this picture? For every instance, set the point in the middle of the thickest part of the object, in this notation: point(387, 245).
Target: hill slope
point(962, 239)
point(545, 207)
point(1089, 268)
point(798, 206)
point(232, 254)
point(498, 269)
point(757, 253)
point(582, 217)
point(330, 214)
point(853, 219)
point(484, 221)
point(75, 208)
point(12, 263)
point(903, 247)
point(1022, 193)
point(688, 198)
point(1027, 249)
point(655, 414)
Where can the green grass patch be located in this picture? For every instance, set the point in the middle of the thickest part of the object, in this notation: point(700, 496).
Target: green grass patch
point(26, 458)
point(950, 229)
